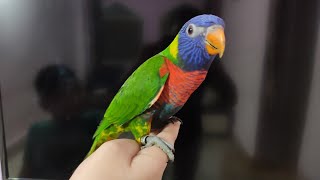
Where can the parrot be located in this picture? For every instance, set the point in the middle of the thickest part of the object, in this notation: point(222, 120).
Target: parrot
point(161, 85)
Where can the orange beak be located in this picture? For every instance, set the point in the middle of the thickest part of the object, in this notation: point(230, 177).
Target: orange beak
point(215, 40)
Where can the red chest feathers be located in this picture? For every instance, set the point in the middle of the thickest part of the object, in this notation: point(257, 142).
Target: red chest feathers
point(180, 85)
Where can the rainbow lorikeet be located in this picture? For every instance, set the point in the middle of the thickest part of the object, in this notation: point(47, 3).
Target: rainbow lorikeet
point(160, 86)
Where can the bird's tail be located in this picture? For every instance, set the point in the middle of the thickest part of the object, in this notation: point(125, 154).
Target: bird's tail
point(93, 147)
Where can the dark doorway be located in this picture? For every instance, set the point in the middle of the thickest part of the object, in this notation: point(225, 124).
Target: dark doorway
point(286, 82)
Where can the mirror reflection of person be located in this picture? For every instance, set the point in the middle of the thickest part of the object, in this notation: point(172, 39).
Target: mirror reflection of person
point(55, 147)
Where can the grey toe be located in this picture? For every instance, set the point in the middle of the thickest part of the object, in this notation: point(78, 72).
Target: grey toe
point(149, 140)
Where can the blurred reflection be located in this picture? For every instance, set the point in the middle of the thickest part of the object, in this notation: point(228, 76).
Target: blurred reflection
point(188, 144)
point(55, 147)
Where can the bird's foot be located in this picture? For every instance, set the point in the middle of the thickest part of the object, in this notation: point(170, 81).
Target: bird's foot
point(150, 140)
point(174, 119)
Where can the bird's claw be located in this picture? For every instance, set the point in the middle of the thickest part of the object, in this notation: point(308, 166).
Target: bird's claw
point(150, 140)
point(174, 119)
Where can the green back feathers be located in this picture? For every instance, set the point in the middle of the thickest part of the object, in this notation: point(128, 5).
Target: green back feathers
point(136, 94)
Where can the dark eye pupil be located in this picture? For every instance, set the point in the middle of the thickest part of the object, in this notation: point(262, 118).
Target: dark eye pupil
point(190, 30)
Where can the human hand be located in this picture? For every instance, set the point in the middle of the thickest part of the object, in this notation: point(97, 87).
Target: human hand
point(122, 159)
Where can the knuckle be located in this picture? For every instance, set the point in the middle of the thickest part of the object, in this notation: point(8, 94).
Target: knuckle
point(112, 146)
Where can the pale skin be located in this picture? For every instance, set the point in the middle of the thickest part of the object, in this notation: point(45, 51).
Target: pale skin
point(122, 159)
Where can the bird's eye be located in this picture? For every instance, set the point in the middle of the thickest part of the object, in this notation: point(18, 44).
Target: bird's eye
point(190, 30)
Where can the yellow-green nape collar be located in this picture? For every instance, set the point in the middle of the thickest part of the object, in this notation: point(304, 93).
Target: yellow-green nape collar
point(173, 48)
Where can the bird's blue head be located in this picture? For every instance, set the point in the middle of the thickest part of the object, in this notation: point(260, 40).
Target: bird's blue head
point(198, 42)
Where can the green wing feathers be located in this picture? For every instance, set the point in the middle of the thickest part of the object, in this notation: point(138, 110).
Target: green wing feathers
point(136, 95)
